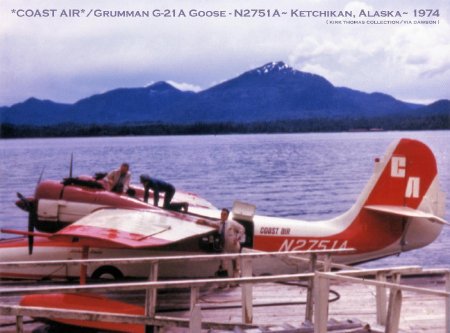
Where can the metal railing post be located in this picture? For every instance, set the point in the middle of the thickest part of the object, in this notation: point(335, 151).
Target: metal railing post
point(150, 296)
point(309, 295)
point(83, 267)
point(381, 299)
point(447, 302)
point(247, 291)
point(19, 324)
point(321, 291)
point(327, 263)
point(394, 308)
point(195, 322)
point(194, 298)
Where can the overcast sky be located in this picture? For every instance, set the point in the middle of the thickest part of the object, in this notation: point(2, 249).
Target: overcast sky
point(66, 59)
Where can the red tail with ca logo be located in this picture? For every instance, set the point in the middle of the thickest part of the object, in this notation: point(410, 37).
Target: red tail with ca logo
point(406, 177)
point(402, 207)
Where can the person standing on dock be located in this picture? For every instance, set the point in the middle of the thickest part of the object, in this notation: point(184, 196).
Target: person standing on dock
point(230, 232)
point(230, 235)
point(119, 180)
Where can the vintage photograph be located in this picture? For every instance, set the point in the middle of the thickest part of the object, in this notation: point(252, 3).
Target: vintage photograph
point(224, 166)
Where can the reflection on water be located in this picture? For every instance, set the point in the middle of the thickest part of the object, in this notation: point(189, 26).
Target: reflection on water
point(306, 176)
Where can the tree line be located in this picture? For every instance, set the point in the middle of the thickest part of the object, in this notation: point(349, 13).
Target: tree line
point(429, 122)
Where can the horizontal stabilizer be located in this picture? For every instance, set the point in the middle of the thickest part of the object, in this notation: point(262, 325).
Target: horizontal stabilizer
point(407, 212)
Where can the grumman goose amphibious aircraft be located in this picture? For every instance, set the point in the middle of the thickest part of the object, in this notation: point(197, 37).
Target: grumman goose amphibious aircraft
point(400, 209)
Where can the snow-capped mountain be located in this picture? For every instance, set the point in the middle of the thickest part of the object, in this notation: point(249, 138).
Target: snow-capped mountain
point(274, 91)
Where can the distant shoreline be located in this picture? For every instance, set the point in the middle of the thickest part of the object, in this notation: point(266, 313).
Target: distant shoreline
point(435, 122)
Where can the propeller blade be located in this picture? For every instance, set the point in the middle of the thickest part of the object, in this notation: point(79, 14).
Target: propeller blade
point(31, 226)
point(23, 203)
point(30, 244)
point(20, 196)
point(71, 165)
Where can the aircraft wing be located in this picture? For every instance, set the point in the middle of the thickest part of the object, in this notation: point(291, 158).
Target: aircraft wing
point(407, 212)
point(132, 228)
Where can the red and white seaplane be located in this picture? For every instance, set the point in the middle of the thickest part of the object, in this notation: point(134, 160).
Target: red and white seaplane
point(401, 208)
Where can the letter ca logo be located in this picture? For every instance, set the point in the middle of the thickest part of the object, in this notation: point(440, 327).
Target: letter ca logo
point(398, 170)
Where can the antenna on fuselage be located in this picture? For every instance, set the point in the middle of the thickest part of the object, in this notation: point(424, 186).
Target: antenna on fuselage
point(40, 176)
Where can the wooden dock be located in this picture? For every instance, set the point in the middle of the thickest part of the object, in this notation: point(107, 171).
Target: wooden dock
point(417, 303)
point(274, 305)
point(281, 305)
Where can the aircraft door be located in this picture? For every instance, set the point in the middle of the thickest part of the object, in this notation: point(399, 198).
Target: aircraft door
point(244, 213)
point(247, 240)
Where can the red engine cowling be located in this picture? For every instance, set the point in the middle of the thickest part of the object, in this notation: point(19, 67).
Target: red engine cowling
point(62, 203)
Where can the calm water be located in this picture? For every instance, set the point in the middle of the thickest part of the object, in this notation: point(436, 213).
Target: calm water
point(308, 176)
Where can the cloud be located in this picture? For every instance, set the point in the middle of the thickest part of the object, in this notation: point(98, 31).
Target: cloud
point(406, 61)
point(422, 49)
point(339, 60)
point(68, 59)
point(357, 6)
point(444, 69)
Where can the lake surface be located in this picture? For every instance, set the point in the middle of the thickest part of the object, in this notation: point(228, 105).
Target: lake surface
point(306, 176)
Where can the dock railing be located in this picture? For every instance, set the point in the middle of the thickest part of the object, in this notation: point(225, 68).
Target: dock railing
point(388, 312)
point(151, 287)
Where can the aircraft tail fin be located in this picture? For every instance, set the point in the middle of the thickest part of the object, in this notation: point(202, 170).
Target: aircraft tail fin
point(406, 177)
point(403, 196)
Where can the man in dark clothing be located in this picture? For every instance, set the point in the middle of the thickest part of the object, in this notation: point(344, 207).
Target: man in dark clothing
point(158, 186)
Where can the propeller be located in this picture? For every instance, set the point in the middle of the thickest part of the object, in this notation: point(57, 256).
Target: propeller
point(29, 206)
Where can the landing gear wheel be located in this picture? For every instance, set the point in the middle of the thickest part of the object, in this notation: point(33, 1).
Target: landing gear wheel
point(107, 272)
